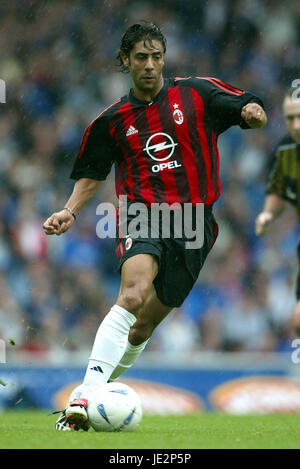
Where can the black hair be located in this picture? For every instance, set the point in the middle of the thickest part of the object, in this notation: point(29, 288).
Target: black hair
point(138, 32)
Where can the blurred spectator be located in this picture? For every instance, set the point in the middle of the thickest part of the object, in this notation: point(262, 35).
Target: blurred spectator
point(57, 59)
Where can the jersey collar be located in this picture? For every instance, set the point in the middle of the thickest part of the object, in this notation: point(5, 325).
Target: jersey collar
point(139, 102)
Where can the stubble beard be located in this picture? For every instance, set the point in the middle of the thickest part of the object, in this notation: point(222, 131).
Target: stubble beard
point(147, 87)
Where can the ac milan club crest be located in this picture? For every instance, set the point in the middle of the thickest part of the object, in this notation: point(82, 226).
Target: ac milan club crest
point(128, 243)
point(177, 115)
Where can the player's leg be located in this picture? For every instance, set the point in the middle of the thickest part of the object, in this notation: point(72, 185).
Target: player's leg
point(137, 275)
point(171, 287)
point(153, 312)
point(111, 339)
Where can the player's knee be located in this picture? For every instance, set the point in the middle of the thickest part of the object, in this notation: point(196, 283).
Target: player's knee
point(133, 298)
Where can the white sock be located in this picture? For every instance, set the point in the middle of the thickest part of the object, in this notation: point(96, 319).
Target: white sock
point(76, 393)
point(132, 352)
point(109, 346)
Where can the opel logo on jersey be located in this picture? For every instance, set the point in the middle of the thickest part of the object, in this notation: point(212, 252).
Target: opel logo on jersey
point(160, 146)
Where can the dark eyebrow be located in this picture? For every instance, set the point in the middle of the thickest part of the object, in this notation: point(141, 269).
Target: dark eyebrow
point(149, 53)
point(293, 115)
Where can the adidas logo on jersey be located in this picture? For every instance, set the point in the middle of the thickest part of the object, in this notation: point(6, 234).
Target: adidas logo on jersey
point(132, 130)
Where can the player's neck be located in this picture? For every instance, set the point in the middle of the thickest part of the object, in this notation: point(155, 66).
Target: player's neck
point(148, 95)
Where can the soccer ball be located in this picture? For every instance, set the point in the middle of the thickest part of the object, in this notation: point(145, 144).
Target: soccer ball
point(114, 407)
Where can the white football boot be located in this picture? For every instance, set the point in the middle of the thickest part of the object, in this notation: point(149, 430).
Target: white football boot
point(74, 417)
point(76, 414)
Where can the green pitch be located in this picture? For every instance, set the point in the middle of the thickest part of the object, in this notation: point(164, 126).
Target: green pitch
point(35, 429)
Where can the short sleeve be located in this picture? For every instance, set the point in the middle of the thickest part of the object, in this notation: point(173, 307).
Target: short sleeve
point(97, 152)
point(223, 102)
point(277, 179)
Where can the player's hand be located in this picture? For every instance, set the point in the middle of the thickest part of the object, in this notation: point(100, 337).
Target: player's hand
point(58, 223)
point(254, 115)
point(262, 223)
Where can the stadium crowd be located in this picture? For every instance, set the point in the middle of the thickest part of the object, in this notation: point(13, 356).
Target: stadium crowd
point(58, 63)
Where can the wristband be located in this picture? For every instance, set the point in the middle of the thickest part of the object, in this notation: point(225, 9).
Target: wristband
point(69, 210)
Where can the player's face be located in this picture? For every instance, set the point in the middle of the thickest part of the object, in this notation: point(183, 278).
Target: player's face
point(145, 65)
point(291, 111)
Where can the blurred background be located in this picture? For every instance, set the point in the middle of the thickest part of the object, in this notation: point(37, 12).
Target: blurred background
point(58, 62)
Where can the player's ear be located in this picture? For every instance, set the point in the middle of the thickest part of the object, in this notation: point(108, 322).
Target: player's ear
point(125, 59)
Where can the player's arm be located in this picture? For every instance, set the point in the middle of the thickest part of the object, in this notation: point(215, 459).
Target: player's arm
point(273, 207)
point(83, 191)
point(91, 167)
point(274, 203)
point(226, 105)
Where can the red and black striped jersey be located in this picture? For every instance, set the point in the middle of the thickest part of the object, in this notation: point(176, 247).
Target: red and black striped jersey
point(164, 150)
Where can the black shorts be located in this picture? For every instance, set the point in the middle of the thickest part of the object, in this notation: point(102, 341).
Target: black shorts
point(179, 267)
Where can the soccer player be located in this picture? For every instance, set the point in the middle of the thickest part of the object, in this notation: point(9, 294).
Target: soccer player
point(162, 138)
point(284, 181)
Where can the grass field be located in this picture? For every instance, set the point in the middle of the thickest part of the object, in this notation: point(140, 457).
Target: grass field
point(35, 430)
